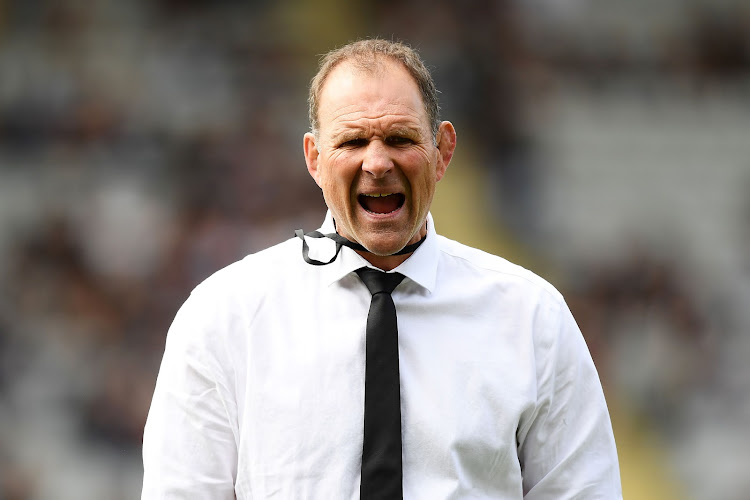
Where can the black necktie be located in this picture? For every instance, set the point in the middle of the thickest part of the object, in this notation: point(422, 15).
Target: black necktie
point(381, 450)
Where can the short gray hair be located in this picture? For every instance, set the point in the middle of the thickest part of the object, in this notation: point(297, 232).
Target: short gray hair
point(364, 54)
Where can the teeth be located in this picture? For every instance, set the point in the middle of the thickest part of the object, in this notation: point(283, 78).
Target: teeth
point(378, 195)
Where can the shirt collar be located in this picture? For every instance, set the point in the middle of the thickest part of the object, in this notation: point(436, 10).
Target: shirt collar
point(420, 267)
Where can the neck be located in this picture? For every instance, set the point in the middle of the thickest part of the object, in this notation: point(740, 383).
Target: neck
point(385, 262)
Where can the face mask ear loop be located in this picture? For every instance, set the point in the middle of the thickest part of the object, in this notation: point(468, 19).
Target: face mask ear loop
point(306, 248)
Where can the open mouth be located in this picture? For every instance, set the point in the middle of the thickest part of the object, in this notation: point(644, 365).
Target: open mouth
point(381, 203)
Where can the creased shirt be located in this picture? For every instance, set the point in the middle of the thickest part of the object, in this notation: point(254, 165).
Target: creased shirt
point(261, 389)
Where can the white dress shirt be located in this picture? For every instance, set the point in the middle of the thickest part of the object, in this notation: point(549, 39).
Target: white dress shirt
point(261, 389)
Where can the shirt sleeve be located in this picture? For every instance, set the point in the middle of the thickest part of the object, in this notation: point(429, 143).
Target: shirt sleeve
point(189, 442)
point(566, 444)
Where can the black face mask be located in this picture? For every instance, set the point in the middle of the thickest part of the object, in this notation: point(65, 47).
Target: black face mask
point(342, 242)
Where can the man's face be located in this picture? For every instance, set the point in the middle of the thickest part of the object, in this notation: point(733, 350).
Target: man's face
point(374, 157)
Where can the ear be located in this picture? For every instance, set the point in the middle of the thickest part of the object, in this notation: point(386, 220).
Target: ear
point(446, 144)
point(311, 155)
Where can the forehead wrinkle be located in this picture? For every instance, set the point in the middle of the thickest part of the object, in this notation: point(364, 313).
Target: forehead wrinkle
point(387, 109)
point(384, 122)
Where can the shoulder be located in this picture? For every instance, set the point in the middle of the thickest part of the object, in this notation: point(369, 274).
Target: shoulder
point(522, 295)
point(496, 269)
point(221, 307)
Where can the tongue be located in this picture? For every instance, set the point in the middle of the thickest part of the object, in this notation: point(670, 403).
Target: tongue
point(381, 204)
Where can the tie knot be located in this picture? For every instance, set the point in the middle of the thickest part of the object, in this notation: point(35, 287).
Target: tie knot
point(378, 281)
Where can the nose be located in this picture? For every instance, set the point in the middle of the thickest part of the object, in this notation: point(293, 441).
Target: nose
point(377, 161)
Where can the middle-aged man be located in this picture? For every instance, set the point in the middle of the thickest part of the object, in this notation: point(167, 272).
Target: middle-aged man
point(374, 358)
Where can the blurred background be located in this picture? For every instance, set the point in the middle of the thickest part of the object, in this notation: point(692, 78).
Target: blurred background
point(145, 144)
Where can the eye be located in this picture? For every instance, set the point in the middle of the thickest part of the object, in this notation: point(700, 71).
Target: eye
point(353, 143)
point(398, 140)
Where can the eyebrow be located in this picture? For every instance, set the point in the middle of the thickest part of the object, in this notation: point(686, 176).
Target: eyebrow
point(348, 135)
point(402, 131)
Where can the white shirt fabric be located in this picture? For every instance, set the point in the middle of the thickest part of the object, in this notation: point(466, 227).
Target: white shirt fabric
point(261, 389)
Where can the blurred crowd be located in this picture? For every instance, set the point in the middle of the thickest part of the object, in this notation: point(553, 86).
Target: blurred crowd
point(146, 144)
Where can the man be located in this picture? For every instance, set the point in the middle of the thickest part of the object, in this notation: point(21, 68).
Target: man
point(271, 385)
